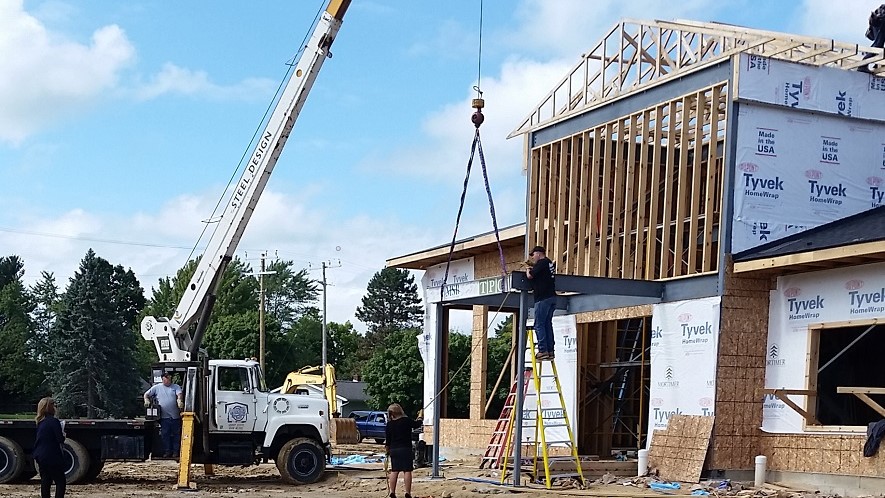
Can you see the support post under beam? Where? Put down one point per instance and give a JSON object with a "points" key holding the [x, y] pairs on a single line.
{"points": [[520, 389], [437, 387]]}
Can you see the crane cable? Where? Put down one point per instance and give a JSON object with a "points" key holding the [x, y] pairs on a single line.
{"points": [[477, 119]]}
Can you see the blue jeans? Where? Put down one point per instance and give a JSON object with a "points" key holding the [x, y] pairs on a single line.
{"points": [[170, 434], [544, 324]]}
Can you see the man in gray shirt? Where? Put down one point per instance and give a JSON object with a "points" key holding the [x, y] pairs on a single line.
{"points": [[171, 400]]}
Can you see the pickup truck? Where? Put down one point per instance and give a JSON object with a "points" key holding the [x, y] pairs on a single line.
{"points": [[370, 425]]}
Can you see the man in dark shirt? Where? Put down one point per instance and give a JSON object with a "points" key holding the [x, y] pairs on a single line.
{"points": [[875, 32], [541, 277]]}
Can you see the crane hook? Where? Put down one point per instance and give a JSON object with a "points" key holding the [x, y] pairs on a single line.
{"points": [[478, 117]]}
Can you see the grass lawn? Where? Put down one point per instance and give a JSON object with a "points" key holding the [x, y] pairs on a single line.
{"points": [[16, 416]]}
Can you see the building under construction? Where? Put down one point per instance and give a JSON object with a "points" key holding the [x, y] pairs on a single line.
{"points": [[711, 196]]}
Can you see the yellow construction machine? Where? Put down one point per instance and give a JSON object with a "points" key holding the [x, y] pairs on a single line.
{"points": [[343, 430]]}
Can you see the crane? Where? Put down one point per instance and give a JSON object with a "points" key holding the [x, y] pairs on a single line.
{"points": [[172, 336]]}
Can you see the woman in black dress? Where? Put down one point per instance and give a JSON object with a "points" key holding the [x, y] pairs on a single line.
{"points": [[47, 449], [398, 443]]}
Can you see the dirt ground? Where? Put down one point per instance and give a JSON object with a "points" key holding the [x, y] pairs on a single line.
{"points": [[460, 479], [156, 479]]}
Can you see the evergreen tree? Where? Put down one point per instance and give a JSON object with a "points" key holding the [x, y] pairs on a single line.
{"points": [[391, 303], [20, 370], [12, 269], [395, 372], [92, 347], [46, 303]]}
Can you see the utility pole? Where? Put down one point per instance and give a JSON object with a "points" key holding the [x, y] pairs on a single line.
{"points": [[324, 324], [261, 306], [261, 330], [324, 266]]}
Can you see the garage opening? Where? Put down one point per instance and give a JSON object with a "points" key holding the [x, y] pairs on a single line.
{"points": [[847, 357]]}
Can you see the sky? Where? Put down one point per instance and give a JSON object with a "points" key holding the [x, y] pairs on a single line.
{"points": [[122, 122]]}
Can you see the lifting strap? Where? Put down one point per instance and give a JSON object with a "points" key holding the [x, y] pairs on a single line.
{"points": [[477, 119]]}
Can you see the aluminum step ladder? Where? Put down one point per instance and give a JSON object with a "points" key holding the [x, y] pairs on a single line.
{"points": [[504, 426]]}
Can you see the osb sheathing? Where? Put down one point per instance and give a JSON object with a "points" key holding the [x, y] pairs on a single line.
{"points": [[489, 264], [479, 361], [740, 373], [614, 314], [462, 433], [678, 452], [826, 454]]}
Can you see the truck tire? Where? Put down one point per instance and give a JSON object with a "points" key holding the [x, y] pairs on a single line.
{"points": [[96, 464], [76, 461], [12, 460], [301, 460], [379, 440], [359, 437]]}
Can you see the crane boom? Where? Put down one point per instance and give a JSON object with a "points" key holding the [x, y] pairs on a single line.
{"points": [[171, 336]]}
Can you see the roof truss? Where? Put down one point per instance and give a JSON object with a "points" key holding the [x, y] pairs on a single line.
{"points": [[638, 54]]}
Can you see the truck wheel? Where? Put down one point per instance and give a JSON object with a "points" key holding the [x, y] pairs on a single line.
{"points": [[12, 460], [76, 461], [95, 467], [301, 460], [359, 437], [379, 440]]}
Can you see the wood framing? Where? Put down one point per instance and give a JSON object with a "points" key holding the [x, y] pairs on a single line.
{"points": [[862, 394], [868, 252], [646, 203], [637, 55]]}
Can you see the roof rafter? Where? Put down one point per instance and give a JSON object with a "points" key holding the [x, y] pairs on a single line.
{"points": [[635, 55]]}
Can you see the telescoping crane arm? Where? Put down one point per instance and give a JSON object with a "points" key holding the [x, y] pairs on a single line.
{"points": [[171, 336]]}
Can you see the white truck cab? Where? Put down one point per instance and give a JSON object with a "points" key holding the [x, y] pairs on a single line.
{"points": [[241, 402]]}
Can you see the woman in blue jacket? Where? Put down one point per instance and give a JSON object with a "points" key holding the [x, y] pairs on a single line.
{"points": [[47, 449]]}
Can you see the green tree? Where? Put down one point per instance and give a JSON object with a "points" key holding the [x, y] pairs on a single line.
{"points": [[46, 304], [288, 294], [391, 303], [92, 347], [458, 391], [344, 342], [498, 354], [20, 370], [233, 330], [395, 372]]}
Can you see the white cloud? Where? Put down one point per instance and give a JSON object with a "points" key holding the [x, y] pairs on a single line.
{"points": [[448, 132], [44, 76], [173, 79], [845, 20], [289, 225], [568, 28]]}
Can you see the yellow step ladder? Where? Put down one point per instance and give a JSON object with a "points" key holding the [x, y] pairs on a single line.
{"points": [[544, 418]]}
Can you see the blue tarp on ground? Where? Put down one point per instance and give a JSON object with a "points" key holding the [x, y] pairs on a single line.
{"points": [[353, 459]]}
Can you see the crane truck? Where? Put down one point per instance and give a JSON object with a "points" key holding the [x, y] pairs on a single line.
{"points": [[230, 417]]}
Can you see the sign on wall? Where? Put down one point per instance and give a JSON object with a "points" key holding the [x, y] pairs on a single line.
{"points": [[799, 170], [461, 271], [684, 345], [838, 295]]}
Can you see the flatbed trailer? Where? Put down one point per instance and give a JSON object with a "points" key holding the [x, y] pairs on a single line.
{"points": [[89, 444]]}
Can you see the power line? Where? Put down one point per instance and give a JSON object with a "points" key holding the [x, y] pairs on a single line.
{"points": [[89, 239]]}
